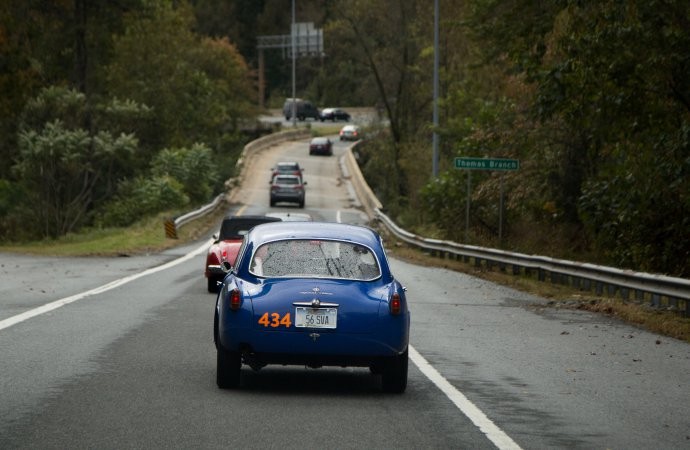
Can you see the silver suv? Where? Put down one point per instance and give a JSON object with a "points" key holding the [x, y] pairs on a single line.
{"points": [[287, 188]]}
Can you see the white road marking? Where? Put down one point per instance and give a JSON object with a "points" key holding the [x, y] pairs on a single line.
{"points": [[6, 323], [485, 425]]}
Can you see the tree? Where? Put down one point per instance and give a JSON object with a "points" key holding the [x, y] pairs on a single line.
{"points": [[161, 63], [62, 167]]}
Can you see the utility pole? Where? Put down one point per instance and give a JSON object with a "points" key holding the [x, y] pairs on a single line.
{"points": [[434, 164], [294, 64]]}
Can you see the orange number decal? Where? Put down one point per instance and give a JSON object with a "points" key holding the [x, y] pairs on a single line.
{"points": [[274, 320]]}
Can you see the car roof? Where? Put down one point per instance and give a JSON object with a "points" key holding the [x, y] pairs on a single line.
{"points": [[319, 139], [314, 230], [350, 127], [288, 163]]}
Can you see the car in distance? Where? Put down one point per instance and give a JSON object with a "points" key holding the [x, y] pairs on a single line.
{"points": [[317, 294], [303, 109], [226, 244], [334, 114], [350, 133], [286, 168], [287, 188], [321, 146]]}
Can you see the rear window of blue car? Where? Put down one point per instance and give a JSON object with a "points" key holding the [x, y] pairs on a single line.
{"points": [[315, 258]]}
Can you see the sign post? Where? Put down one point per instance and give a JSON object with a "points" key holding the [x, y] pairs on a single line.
{"points": [[470, 164]]}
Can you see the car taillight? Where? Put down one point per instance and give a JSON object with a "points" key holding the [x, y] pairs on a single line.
{"points": [[235, 299], [395, 304]]}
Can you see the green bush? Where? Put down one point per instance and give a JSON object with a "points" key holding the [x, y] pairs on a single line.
{"points": [[193, 168], [143, 197]]}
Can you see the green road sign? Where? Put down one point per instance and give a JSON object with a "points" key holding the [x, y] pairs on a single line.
{"points": [[487, 164]]}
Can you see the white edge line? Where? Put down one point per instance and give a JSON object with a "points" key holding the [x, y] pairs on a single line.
{"points": [[14, 320], [485, 425]]}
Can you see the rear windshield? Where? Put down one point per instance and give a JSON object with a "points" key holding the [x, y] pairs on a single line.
{"points": [[315, 258], [287, 180]]}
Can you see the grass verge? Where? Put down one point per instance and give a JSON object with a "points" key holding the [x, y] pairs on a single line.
{"points": [[145, 236]]}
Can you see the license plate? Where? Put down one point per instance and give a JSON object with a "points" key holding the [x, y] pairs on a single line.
{"points": [[316, 317]]}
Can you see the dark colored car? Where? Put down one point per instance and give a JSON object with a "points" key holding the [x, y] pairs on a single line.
{"points": [[286, 168], [317, 294], [334, 114], [321, 146], [227, 243], [287, 188], [303, 109]]}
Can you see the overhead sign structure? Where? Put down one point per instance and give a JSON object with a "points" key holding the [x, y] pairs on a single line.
{"points": [[303, 38], [487, 164]]}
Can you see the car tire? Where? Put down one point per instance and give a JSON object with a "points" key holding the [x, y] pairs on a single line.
{"points": [[301, 204], [394, 374], [228, 368], [272, 202], [212, 284]]}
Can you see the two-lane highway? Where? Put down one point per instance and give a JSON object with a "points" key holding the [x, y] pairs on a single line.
{"points": [[133, 365]]}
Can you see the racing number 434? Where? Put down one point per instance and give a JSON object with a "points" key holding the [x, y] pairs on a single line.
{"points": [[274, 320]]}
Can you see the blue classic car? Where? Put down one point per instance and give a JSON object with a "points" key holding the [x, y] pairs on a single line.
{"points": [[316, 294]]}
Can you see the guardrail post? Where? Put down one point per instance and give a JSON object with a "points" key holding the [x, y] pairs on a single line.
{"points": [[656, 300], [587, 285], [170, 229]]}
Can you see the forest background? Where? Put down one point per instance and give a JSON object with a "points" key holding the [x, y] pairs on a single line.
{"points": [[114, 111]]}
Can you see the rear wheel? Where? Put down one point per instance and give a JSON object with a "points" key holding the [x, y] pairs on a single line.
{"points": [[394, 374], [212, 284], [227, 368]]}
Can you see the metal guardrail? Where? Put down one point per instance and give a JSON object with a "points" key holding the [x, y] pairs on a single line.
{"points": [[659, 290]]}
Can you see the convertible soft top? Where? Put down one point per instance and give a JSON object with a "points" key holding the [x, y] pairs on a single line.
{"points": [[235, 227]]}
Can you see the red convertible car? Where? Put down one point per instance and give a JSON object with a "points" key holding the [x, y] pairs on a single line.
{"points": [[227, 243]]}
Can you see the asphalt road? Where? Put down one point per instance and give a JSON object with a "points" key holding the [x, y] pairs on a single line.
{"points": [[132, 364]]}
